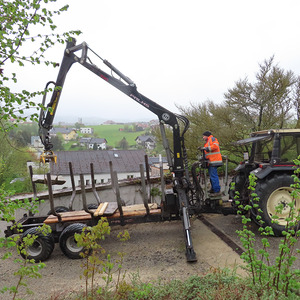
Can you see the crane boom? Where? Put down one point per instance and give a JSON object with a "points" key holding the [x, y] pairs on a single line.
{"points": [[176, 157]]}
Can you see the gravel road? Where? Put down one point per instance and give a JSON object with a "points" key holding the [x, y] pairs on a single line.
{"points": [[155, 250]]}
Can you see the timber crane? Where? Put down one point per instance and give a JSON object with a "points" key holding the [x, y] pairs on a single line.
{"points": [[177, 158]]}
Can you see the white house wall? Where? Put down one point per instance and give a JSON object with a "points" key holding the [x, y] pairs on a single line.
{"points": [[100, 178], [99, 146], [86, 130]]}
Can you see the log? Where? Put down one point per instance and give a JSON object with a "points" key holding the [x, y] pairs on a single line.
{"points": [[101, 209], [96, 213]]}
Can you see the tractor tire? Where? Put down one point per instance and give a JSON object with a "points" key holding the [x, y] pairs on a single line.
{"points": [[41, 248], [238, 182], [58, 209], [67, 242], [272, 192]]}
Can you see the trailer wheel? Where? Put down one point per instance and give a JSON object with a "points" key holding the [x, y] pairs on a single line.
{"points": [[41, 248], [67, 242], [93, 206], [58, 209], [273, 192]]}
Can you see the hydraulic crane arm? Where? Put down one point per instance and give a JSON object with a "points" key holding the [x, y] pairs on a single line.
{"points": [[124, 84], [176, 157]]}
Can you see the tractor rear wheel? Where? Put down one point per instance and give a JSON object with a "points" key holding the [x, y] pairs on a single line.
{"points": [[238, 192], [272, 192], [236, 186]]}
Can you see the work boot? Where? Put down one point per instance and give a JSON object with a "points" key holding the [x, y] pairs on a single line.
{"points": [[215, 194]]}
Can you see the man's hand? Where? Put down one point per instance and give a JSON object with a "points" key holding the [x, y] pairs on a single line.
{"points": [[203, 148]]}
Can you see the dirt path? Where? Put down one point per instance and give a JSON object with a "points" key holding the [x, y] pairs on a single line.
{"points": [[155, 250]]}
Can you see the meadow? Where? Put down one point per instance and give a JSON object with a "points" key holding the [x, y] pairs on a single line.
{"points": [[113, 135]]}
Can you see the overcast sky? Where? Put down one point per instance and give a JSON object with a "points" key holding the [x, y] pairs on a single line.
{"points": [[176, 52]]}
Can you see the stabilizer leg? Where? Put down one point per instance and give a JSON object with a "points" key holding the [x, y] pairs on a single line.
{"points": [[190, 253]]}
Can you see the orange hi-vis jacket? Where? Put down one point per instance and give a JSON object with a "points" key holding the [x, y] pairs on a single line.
{"points": [[213, 153]]}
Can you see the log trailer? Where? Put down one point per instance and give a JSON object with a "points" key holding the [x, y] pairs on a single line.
{"points": [[188, 195], [270, 160]]}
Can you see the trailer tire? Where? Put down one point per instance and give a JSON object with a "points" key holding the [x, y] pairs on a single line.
{"points": [[41, 248], [67, 242], [272, 192], [93, 206], [58, 209]]}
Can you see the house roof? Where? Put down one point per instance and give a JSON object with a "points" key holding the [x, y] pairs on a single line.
{"points": [[123, 161], [61, 130], [146, 138], [155, 160], [84, 140], [97, 141], [93, 140]]}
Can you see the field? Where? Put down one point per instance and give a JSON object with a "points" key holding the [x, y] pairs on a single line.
{"points": [[113, 135]]}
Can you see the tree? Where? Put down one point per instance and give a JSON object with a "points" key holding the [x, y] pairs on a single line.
{"points": [[123, 144], [17, 19], [78, 125], [23, 133], [12, 161], [57, 142], [266, 103], [296, 97], [220, 119]]}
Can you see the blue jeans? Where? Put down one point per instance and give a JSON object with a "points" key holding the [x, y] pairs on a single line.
{"points": [[214, 179]]}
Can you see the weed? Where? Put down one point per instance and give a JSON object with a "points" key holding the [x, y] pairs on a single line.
{"points": [[94, 263], [28, 268], [271, 279]]}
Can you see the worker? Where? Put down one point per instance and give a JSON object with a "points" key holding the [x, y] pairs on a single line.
{"points": [[212, 153]]}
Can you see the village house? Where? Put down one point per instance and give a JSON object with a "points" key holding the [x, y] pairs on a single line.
{"points": [[68, 134], [36, 142], [154, 163], [91, 143], [146, 141], [86, 130], [125, 162]]}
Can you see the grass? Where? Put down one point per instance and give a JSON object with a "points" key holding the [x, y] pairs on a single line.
{"points": [[217, 284], [113, 135]]}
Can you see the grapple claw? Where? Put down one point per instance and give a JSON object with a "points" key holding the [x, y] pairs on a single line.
{"points": [[48, 156]]}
